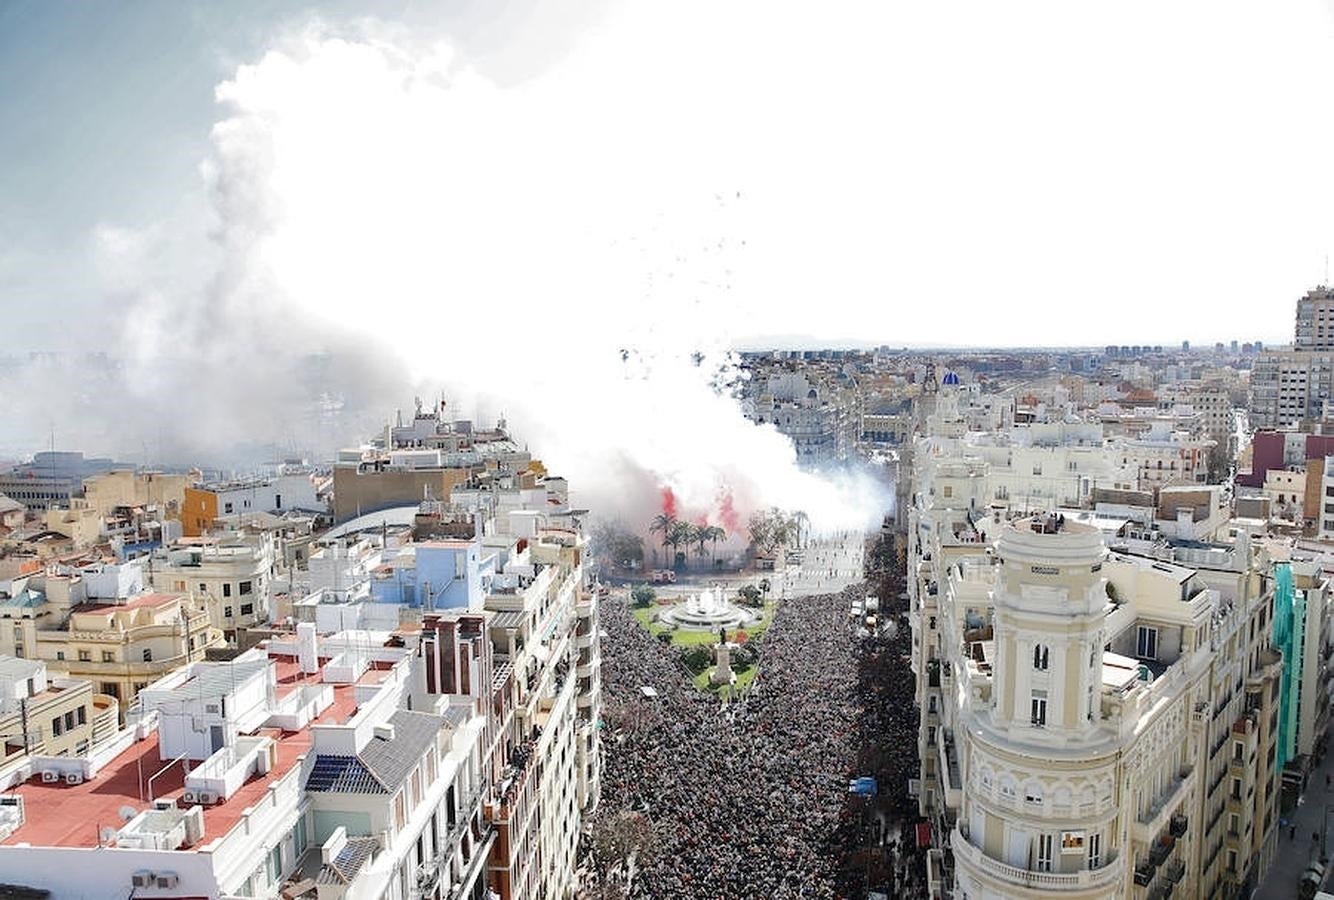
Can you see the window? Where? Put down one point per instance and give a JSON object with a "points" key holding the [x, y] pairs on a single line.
{"points": [[947, 490], [227, 508], [108, 656], [1033, 794], [69, 720], [85, 656], [1236, 789], [60, 654], [1237, 750], [299, 837], [203, 588], [57, 728], [83, 715], [1146, 642], [1095, 850], [1044, 852], [246, 587], [226, 589], [148, 654], [247, 609], [1038, 708], [277, 501], [1040, 657], [226, 612]]}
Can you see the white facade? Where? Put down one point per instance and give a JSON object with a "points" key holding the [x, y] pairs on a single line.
{"points": [[231, 575]]}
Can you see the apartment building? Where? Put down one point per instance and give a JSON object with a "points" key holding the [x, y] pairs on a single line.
{"points": [[1290, 387], [1162, 456], [308, 775], [97, 623], [1314, 328], [204, 504], [421, 460], [1098, 719], [229, 573], [44, 716], [52, 477]]}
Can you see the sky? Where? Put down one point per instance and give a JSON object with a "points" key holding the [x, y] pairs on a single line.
{"points": [[554, 211], [1010, 165]]}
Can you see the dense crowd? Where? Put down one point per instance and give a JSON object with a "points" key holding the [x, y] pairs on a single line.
{"points": [[751, 798]]}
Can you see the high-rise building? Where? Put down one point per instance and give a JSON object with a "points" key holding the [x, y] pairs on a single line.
{"points": [[1315, 320], [1291, 387]]}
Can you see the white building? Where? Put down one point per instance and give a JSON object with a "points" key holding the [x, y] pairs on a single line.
{"points": [[231, 573], [265, 774], [1094, 723]]}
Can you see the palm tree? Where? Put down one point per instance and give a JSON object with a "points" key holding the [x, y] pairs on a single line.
{"points": [[664, 523], [716, 534], [802, 522], [681, 533]]}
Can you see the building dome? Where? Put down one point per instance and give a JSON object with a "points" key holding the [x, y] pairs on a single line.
{"points": [[950, 379]]}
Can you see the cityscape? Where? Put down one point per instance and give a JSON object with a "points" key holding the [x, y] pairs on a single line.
{"points": [[532, 450]]}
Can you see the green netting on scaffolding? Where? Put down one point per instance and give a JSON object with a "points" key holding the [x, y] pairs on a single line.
{"points": [[1289, 625]]}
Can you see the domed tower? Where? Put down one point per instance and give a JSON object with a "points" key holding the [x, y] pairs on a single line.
{"points": [[1039, 815], [1049, 609]]}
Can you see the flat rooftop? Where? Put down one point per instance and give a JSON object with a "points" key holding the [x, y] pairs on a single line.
{"points": [[136, 602], [62, 815]]}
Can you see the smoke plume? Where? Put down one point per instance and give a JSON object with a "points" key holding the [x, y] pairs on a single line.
{"points": [[561, 252]]}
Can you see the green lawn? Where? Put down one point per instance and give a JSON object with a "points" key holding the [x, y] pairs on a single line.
{"points": [[685, 638], [742, 681]]}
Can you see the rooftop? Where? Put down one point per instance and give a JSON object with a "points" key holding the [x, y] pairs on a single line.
{"points": [[136, 602], [64, 815]]}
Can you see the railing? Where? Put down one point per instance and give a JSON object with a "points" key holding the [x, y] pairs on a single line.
{"points": [[973, 857], [1150, 822]]}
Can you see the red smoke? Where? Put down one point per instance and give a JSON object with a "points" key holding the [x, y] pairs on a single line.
{"points": [[668, 502], [727, 513]]}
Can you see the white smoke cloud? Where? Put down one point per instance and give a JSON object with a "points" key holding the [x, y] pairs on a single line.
{"points": [[673, 176], [534, 250]]}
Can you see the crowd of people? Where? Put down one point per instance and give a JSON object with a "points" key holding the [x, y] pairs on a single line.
{"points": [[751, 798]]}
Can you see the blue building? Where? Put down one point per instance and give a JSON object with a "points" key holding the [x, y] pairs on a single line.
{"points": [[445, 574]]}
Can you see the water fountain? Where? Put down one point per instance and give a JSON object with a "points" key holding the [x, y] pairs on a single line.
{"points": [[707, 611]]}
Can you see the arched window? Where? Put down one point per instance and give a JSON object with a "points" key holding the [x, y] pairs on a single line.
{"points": [[1040, 657]]}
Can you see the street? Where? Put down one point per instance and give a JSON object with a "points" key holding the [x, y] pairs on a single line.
{"points": [[1295, 854]]}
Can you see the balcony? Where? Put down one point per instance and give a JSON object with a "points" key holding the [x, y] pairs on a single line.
{"points": [[1154, 820], [1178, 826], [970, 857]]}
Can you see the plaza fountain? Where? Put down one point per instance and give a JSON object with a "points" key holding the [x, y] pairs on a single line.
{"points": [[707, 611]]}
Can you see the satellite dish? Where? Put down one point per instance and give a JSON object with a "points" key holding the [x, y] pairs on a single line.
{"points": [[127, 813], [107, 834]]}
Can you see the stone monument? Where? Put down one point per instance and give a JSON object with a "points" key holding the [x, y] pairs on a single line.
{"points": [[722, 665]]}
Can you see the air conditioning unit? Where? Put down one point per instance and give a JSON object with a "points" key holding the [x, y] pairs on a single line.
{"points": [[190, 797], [168, 880], [50, 776], [164, 803], [74, 778], [208, 798], [142, 879]]}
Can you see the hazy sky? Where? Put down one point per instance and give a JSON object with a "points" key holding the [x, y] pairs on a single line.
{"points": [[942, 172]]}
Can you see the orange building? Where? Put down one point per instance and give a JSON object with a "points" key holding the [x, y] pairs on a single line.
{"points": [[198, 511]]}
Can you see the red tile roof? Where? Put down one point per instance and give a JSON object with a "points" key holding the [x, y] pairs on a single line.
{"points": [[62, 815]]}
